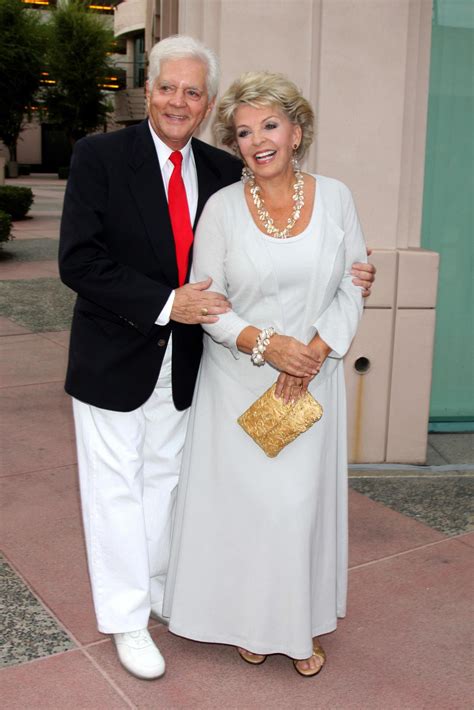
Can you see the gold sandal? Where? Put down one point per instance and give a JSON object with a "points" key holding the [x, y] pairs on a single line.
{"points": [[319, 652], [255, 659]]}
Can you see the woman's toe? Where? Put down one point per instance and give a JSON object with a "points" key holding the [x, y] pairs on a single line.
{"points": [[303, 665], [312, 664], [249, 654]]}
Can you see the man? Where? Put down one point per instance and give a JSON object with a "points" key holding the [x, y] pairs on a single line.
{"points": [[126, 243]]}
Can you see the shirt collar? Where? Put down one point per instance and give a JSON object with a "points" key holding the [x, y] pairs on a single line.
{"points": [[163, 151]]}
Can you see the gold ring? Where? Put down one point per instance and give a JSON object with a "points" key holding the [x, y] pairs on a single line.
{"points": [[204, 311]]}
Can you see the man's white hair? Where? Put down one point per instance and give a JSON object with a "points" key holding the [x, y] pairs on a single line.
{"points": [[180, 47]]}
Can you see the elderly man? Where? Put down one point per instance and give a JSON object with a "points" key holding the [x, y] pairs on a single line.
{"points": [[132, 200]]}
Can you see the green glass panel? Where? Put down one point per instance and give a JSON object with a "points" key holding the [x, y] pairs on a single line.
{"points": [[448, 205]]}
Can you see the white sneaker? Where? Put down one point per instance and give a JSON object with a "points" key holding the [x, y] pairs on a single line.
{"points": [[139, 655]]}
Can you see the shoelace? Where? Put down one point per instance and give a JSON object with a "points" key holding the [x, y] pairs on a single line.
{"points": [[140, 638]]}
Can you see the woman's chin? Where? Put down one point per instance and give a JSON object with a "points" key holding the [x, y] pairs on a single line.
{"points": [[271, 171]]}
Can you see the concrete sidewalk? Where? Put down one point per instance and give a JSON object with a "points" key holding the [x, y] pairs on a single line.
{"points": [[403, 645]]}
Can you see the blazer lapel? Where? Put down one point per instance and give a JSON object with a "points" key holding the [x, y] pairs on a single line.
{"points": [[146, 185]]}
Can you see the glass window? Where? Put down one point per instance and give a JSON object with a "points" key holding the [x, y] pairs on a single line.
{"points": [[448, 209], [139, 62]]}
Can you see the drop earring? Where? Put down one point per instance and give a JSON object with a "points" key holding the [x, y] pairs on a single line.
{"points": [[294, 159]]}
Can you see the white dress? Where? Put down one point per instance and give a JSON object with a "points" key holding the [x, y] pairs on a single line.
{"points": [[259, 549]]}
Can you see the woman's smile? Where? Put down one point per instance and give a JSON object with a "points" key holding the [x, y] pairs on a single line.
{"points": [[264, 157]]}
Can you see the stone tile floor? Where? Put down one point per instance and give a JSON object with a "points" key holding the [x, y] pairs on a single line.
{"points": [[29, 250], [28, 629], [440, 495], [38, 304], [445, 503], [404, 645]]}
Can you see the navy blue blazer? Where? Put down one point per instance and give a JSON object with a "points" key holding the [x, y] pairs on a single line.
{"points": [[117, 253]]}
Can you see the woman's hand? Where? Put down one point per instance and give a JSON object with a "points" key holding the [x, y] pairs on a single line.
{"points": [[291, 356], [291, 388], [320, 350]]}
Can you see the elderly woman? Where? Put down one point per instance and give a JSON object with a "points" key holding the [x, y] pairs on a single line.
{"points": [[259, 553]]}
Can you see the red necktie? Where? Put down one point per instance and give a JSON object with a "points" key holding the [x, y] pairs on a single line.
{"points": [[179, 215]]}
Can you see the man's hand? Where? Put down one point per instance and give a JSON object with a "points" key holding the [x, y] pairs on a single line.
{"points": [[193, 303], [364, 275]]}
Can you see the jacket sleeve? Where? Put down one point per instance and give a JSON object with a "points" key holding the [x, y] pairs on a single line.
{"points": [[85, 263], [209, 257], [338, 323]]}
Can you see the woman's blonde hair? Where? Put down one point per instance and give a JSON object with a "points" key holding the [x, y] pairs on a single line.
{"points": [[259, 89]]}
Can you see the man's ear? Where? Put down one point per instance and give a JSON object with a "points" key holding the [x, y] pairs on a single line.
{"points": [[147, 95], [211, 105]]}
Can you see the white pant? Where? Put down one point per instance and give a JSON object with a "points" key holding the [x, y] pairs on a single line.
{"points": [[128, 471]]}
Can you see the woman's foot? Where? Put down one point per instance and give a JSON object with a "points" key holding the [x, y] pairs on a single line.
{"points": [[255, 659], [311, 666]]}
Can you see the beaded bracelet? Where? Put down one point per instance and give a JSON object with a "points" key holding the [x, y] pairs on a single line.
{"points": [[263, 339]]}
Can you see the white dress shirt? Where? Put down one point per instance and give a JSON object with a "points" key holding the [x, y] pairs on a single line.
{"points": [[189, 175]]}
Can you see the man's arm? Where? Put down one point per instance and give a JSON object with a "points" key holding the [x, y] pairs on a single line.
{"points": [[364, 275], [87, 267], [85, 263]]}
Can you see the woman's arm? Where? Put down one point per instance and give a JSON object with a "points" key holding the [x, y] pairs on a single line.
{"points": [[209, 254], [336, 326], [230, 330]]}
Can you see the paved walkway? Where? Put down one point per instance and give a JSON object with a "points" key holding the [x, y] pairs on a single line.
{"points": [[405, 641]]}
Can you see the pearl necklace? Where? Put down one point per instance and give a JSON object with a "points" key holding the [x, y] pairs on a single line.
{"points": [[298, 199]]}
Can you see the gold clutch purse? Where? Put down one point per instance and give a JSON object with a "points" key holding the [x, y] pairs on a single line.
{"points": [[273, 424]]}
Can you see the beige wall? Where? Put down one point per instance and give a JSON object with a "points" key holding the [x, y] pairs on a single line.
{"points": [[29, 144], [364, 65], [130, 16]]}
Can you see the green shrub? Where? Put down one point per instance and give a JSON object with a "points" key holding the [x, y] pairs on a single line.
{"points": [[16, 201], [5, 226]]}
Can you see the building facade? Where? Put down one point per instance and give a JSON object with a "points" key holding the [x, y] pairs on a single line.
{"points": [[42, 145], [365, 67]]}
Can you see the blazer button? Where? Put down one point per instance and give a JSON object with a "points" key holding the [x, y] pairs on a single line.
{"points": [[162, 342]]}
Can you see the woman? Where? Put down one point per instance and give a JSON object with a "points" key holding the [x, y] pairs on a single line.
{"points": [[259, 556]]}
